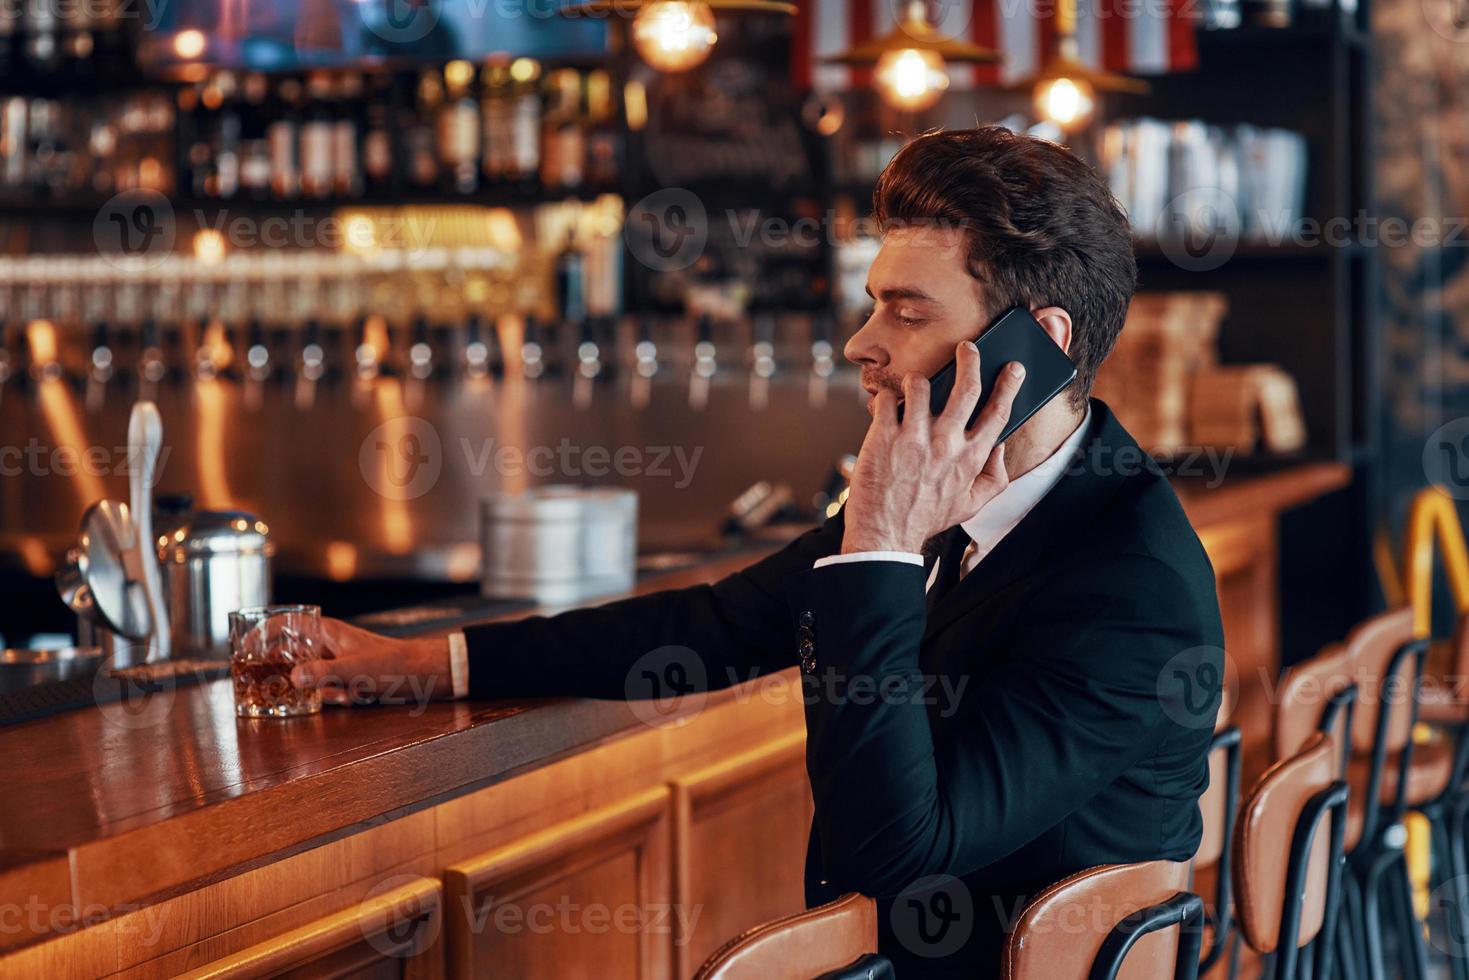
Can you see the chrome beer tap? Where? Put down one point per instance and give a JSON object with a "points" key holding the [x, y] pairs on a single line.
{"points": [[822, 363], [645, 366], [532, 357], [762, 360], [705, 365]]}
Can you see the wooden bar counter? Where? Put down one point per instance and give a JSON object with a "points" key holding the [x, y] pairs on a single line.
{"points": [[548, 839]]}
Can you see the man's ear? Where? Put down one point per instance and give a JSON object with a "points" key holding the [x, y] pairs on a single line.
{"points": [[1057, 323]]}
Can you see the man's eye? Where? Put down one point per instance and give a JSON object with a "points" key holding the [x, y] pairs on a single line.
{"points": [[907, 320]]}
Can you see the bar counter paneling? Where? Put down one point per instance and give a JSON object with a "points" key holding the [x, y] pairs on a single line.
{"points": [[556, 838]]}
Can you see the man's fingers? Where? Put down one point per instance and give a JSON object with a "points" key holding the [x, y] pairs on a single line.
{"points": [[916, 416], [991, 480], [885, 407], [968, 386], [996, 411]]}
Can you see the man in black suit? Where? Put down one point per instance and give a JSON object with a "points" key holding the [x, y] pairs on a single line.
{"points": [[1010, 654]]}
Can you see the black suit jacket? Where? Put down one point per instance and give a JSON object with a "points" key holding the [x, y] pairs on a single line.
{"points": [[1051, 712]]}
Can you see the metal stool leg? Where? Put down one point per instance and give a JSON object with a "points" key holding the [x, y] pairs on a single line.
{"points": [[1372, 935], [1410, 931], [1450, 888]]}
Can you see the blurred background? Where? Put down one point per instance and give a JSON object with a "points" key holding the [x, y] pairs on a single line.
{"points": [[510, 243]]}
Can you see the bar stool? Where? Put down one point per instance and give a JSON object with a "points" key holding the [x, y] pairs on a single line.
{"points": [[1444, 716], [1081, 928], [837, 940], [1211, 874], [1388, 663], [1287, 866]]}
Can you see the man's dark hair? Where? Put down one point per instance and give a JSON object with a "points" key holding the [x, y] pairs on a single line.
{"points": [[1043, 228]]}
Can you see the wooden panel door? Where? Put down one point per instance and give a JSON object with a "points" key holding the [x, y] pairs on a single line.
{"points": [[740, 831], [390, 935], [588, 897]]}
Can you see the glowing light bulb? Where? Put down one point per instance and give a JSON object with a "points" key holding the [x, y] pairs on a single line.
{"points": [[674, 35], [911, 79], [189, 44], [1067, 102]]}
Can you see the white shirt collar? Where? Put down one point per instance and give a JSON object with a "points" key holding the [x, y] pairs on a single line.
{"points": [[999, 517]]}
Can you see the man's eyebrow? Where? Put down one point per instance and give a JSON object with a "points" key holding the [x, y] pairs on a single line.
{"points": [[889, 293]]}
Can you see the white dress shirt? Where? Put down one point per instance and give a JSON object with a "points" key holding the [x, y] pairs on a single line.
{"points": [[985, 529], [998, 517]]}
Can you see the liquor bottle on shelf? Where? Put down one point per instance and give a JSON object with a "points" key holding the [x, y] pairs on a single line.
{"points": [[254, 146], [41, 29], [10, 53], [563, 160], [525, 121], [418, 131], [497, 159], [346, 124], [604, 132], [378, 158], [282, 132], [316, 137], [459, 130], [77, 41]]}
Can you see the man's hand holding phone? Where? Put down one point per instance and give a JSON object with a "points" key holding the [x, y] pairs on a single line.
{"points": [[925, 473]]}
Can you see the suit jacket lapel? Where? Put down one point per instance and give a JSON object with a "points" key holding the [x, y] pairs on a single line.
{"points": [[1072, 504]]}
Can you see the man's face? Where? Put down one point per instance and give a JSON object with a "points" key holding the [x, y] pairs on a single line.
{"points": [[925, 303]]}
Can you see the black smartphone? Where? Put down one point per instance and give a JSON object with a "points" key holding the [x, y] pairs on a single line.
{"points": [[1015, 336]]}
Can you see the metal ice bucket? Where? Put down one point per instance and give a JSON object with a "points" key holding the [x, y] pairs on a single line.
{"points": [[559, 544]]}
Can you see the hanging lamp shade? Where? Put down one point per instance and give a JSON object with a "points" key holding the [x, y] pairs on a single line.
{"points": [[915, 33]]}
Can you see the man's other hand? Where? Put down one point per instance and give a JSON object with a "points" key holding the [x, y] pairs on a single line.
{"points": [[359, 667]]}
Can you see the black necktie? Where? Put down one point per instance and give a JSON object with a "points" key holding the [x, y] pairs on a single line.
{"points": [[951, 546]]}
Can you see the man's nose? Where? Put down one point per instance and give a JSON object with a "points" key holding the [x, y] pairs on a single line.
{"points": [[863, 349]]}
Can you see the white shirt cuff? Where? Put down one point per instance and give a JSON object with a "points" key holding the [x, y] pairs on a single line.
{"points": [[905, 556], [458, 665]]}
